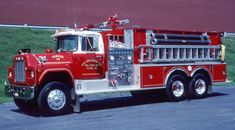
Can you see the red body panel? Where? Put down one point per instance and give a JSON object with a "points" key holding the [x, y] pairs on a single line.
{"points": [[219, 73], [151, 76], [156, 76], [105, 36], [88, 66], [215, 38], [139, 39]]}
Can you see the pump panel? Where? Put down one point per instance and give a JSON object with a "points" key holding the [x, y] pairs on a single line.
{"points": [[121, 69]]}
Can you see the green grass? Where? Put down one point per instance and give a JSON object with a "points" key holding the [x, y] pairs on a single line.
{"points": [[230, 57], [13, 39]]}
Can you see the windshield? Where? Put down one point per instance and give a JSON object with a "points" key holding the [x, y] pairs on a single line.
{"points": [[67, 43]]}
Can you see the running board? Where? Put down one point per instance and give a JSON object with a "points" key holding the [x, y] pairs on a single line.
{"points": [[86, 87]]}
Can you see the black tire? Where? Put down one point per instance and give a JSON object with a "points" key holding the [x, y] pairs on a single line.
{"points": [[26, 105], [198, 86], [176, 87], [62, 97]]}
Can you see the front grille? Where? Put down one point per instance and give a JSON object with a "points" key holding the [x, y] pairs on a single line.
{"points": [[20, 71]]}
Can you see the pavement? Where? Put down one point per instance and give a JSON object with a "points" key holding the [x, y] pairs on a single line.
{"points": [[121, 111]]}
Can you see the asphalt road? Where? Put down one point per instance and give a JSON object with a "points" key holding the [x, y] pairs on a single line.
{"points": [[121, 111]]}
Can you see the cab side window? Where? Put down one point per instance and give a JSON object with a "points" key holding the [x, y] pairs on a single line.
{"points": [[89, 44]]}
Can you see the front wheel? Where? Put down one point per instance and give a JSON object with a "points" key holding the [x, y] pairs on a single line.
{"points": [[54, 98], [176, 87], [198, 86]]}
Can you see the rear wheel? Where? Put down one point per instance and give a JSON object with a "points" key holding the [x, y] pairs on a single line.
{"points": [[26, 105], [54, 99], [198, 86], [176, 87]]}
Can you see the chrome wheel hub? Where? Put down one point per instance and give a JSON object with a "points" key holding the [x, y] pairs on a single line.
{"points": [[200, 86], [178, 88], [56, 99]]}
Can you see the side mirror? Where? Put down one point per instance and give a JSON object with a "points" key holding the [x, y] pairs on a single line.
{"points": [[48, 50]]}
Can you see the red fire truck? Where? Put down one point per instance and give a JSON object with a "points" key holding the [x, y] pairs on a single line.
{"points": [[93, 59]]}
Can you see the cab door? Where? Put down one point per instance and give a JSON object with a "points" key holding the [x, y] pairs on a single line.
{"points": [[91, 57]]}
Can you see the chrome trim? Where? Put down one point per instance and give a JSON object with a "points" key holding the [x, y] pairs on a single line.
{"points": [[20, 92], [177, 88], [200, 86], [172, 71], [165, 53], [182, 64], [128, 38], [182, 46], [132, 88], [56, 99], [148, 36], [20, 72], [200, 68]]}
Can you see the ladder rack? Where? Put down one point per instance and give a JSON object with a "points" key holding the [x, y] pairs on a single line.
{"points": [[179, 53]]}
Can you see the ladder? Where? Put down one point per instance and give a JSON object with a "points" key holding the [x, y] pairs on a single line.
{"points": [[179, 53]]}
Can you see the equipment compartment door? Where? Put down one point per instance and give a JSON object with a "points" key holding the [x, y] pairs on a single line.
{"points": [[151, 76], [219, 73]]}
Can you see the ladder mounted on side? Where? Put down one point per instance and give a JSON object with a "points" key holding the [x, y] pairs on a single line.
{"points": [[179, 53]]}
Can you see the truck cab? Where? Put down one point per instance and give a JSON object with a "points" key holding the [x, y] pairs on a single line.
{"points": [[87, 52], [77, 55]]}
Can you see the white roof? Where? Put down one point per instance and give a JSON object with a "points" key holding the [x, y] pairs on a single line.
{"points": [[74, 32]]}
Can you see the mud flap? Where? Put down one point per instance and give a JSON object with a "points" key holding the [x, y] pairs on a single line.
{"points": [[209, 89], [75, 101], [76, 105]]}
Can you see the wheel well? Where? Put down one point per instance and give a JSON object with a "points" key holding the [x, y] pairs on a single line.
{"points": [[63, 77], [204, 72], [180, 72]]}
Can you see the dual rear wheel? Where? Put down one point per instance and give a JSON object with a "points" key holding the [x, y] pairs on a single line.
{"points": [[178, 87]]}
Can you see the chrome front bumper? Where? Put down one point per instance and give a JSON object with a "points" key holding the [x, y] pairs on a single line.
{"points": [[20, 92]]}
